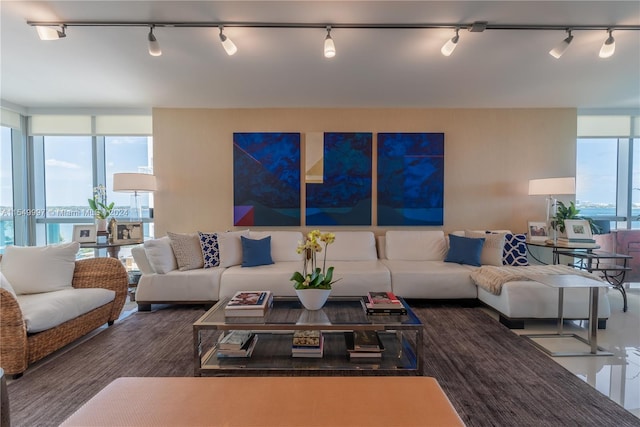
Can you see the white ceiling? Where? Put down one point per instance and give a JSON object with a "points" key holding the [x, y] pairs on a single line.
{"points": [[110, 68]]}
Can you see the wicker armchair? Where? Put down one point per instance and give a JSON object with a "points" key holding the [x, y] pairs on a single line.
{"points": [[18, 349]]}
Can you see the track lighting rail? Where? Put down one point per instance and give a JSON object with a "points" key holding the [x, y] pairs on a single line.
{"points": [[392, 26]]}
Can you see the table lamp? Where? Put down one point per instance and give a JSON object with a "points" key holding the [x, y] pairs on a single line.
{"points": [[134, 183], [552, 187]]}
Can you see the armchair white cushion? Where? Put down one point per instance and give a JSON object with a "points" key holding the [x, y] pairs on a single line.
{"points": [[49, 309], [35, 269]]}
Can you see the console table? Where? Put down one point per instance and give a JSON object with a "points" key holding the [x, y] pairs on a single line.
{"points": [[558, 249], [607, 264]]}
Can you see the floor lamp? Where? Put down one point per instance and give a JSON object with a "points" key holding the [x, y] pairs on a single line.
{"points": [[134, 183], [552, 187]]}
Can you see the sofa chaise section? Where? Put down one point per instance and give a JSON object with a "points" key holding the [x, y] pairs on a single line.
{"points": [[526, 299]]}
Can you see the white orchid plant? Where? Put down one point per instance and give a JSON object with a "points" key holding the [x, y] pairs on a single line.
{"points": [[98, 204]]}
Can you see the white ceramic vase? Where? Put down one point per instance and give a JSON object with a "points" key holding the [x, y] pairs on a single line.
{"points": [[313, 299], [101, 224]]}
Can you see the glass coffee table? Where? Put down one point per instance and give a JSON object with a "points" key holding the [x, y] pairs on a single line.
{"points": [[401, 336]]}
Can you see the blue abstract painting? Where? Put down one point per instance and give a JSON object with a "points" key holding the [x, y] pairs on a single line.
{"points": [[266, 179], [340, 191], [410, 178]]}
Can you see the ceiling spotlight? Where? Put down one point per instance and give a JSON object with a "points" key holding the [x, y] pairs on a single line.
{"points": [[450, 45], [329, 46], [559, 50], [608, 47], [51, 32], [227, 43], [154, 46]]}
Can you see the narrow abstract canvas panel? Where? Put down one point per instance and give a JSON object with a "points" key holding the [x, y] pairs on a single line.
{"points": [[410, 178], [266, 179], [341, 195]]}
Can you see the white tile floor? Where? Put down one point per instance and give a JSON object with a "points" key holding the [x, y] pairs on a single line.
{"points": [[617, 376]]}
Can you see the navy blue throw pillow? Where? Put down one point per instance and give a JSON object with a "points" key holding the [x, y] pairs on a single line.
{"points": [[256, 252], [464, 250]]}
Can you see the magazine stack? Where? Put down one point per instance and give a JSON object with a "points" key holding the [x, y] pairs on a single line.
{"points": [[307, 344], [363, 345], [383, 303], [249, 304], [237, 344]]}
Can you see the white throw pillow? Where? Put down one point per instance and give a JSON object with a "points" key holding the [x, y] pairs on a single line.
{"points": [[492, 249], [4, 284], [230, 246], [160, 255], [35, 269]]}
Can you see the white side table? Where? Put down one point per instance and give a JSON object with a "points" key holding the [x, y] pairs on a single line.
{"points": [[561, 282]]}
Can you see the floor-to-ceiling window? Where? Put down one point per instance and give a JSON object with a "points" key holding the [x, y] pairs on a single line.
{"points": [[51, 164], [68, 174], [6, 189], [608, 170]]}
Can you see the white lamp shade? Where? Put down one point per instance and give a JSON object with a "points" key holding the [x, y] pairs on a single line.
{"points": [[552, 186], [134, 182]]}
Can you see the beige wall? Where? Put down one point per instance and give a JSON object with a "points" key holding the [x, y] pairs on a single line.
{"points": [[490, 155]]}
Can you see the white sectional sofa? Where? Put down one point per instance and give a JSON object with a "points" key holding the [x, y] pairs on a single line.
{"points": [[409, 263]]}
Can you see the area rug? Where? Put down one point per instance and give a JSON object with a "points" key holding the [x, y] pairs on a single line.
{"points": [[492, 376]]}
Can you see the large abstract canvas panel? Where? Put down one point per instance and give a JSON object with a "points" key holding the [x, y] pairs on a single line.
{"points": [[338, 179], [410, 178], [266, 179]]}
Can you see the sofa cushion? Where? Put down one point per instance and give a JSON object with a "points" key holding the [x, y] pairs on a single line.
{"points": [[272, 277], [139, 255], [464, 250], [283, 244], [431, 279], [160, 255], [187, 250], [47, 310], [256, 251], [515, 250], [4, 284], [34, 269], [351, 246], [210, 249], [426, 245], [202, 284], [493, 246], [231, 247]]}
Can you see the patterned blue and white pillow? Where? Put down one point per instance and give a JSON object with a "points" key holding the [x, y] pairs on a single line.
{"points": [[515, 250], [210, 249]]}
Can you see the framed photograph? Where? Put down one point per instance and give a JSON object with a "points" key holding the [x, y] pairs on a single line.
{"points": [[84, 233], [538, 231], [578, 229], [128, 233]]}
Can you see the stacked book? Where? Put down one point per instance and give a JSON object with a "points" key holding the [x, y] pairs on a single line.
{"points": [[307, 344], [574, 243], [377, 303], [363, 345], [249, 304], [237, 344]]}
